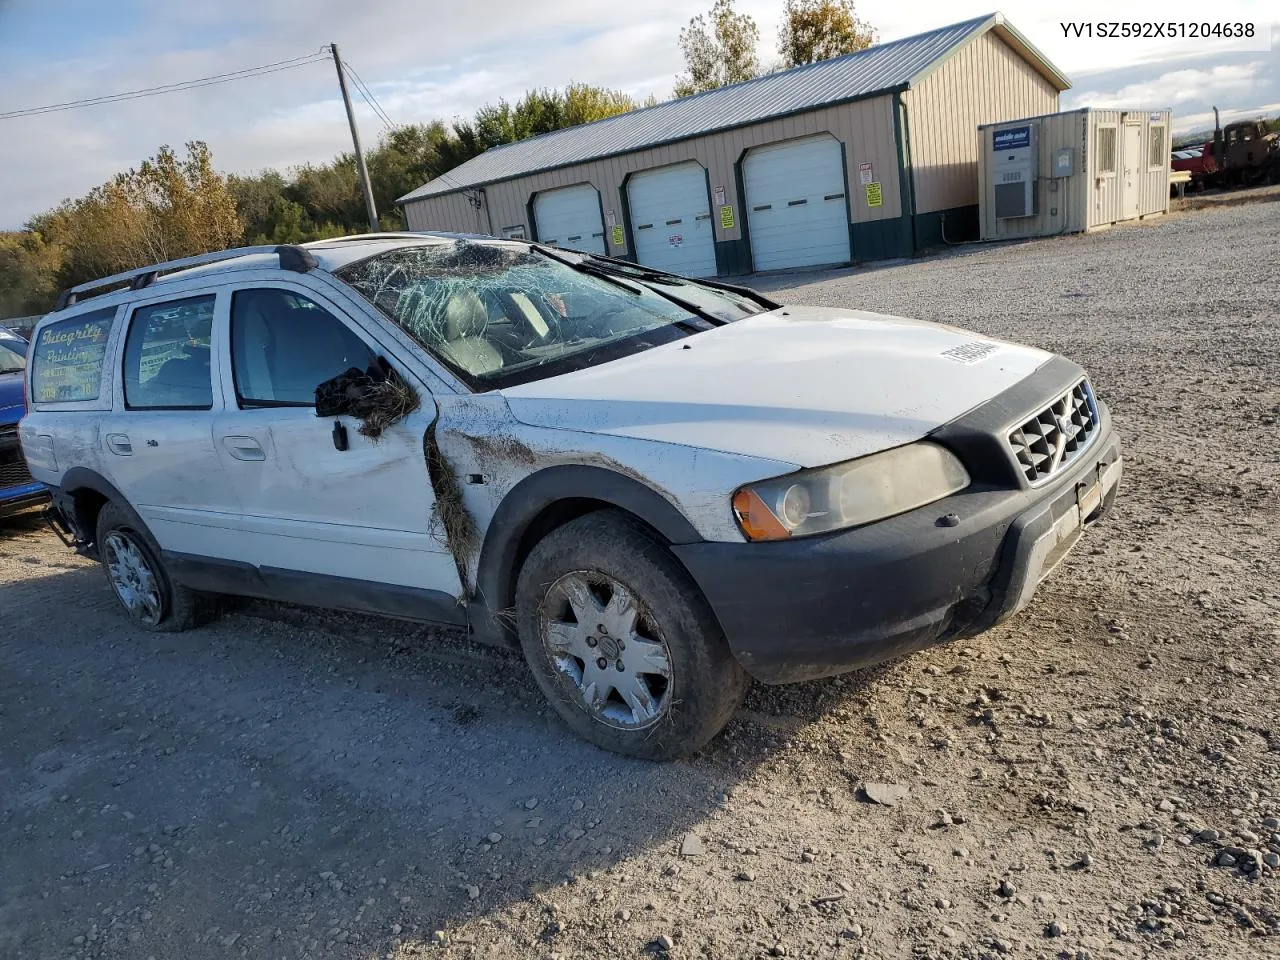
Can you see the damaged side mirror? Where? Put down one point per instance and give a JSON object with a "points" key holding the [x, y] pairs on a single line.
{"points": [[378, 397]]}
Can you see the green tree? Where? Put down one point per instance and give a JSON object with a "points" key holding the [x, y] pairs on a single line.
{"points": [[814, 30], [254, 196], [28, 273], [168, 207], [719, 48]]}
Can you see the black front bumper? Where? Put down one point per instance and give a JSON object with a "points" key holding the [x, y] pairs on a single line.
{"points": [[814, 607]]}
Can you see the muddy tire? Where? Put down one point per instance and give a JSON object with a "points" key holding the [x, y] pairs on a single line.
{"points": [[622, 642], [131, 561]]}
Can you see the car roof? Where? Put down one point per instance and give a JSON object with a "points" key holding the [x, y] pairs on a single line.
{"points": [[335, 253], [330, 255]]}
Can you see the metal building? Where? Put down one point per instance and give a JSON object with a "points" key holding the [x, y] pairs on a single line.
{"points": [[1072, 172], [861, 157]]}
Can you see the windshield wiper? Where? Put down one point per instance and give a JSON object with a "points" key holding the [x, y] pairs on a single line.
{"points": [[12, 369], [627, 268], [584, 266], [610, 274], [649, 278]]}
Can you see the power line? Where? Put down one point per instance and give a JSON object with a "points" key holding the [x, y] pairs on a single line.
{"points": [[367, 95], [246, 73]]}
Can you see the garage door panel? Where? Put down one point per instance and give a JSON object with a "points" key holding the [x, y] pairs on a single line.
{"points": [[797, 213], [570, 217], [671, 220]]}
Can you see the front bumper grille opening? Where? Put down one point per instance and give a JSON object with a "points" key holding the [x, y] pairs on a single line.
{"points": [[1054, 437], [14, 473]]}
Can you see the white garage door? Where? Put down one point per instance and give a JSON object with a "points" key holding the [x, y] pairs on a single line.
{"points": [[796, 210], [570, 217], [671, 220]]}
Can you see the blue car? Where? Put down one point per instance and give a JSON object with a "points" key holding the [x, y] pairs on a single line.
{"points": [[17, 490]]}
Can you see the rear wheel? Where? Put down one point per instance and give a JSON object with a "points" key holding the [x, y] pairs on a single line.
{"points": [[130, 559], [622, 642]]}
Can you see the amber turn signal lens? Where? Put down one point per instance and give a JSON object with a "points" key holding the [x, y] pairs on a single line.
{"points": [[757, 520]]}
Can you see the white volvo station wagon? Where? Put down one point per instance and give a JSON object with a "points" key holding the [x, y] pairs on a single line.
{"points": [[659, 488]]}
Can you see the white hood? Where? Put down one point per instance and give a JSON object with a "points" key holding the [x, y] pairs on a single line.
{"points": [[803, 385]]}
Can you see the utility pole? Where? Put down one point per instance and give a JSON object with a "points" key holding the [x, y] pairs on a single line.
{"points": [[355, 140]]}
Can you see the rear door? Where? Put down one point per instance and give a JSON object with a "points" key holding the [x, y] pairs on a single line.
{"points": [[156, 446], [329, 516]]}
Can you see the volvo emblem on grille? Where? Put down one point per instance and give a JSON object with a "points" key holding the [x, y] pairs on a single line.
{"points": [[1065, 425]]}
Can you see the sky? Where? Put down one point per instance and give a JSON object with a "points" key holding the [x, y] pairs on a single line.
{"points": [[426, 59]]}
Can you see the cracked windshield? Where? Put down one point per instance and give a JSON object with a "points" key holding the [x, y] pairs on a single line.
{"points": [[504, 315]]}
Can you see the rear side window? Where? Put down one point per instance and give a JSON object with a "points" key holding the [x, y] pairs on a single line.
{"points": [[166, 356], [67, 357], [284, 345]]}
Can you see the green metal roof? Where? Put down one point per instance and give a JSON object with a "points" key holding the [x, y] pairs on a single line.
{"points": [[879, 69]]}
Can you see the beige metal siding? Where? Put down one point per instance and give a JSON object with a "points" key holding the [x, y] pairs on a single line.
{"points": [[986, 82], [864, 127], [452, 209], [1107, 204]]}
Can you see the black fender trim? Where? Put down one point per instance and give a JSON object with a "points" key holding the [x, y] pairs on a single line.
{"points": [[82, 478], [496, 574]]}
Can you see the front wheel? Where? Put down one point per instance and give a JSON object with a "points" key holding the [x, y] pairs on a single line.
{"points": [[621, 641]]}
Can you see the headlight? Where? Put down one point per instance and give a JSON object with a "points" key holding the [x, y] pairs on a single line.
{"points": [[848, 494]]}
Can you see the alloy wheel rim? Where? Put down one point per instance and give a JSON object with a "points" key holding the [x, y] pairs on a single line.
{"points": [[132, 578], [608, 650]]}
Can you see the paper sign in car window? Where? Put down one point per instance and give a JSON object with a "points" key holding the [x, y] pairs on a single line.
{"points": [[68, 358]]}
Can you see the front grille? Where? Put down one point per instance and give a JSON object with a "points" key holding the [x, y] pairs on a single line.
{"points": [[1053, 438]]}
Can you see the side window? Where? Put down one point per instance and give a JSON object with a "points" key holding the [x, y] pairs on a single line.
{"points": [[166, 356], [284, 345], [1106, 150], [1157, 157], [67, 358]]}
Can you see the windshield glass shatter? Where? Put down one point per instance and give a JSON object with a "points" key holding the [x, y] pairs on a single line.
{"points": [[499, 314]]}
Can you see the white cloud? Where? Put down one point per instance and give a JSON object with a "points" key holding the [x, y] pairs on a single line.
{"points": [[428, 60]]}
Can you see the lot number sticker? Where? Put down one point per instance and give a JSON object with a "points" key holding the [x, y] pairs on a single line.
{"points": [[726, 217], [875, 197], [617, 234]]}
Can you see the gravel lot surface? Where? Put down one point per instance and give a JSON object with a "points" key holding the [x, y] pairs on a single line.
{"points": [[1098, 778]]}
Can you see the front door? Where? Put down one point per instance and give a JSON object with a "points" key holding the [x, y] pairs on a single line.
{"points": [[1132, 184], [329, 516], [158, 443]]}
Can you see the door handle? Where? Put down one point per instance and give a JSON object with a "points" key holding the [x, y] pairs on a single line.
{"points": [[119, 444], [244, 448]]}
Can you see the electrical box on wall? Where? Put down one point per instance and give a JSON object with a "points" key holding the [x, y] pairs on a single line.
{"points": [[1064, 163], [1014, 164]]}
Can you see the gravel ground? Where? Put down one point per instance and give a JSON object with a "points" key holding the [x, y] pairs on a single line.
{"points": [[1098, 778]]}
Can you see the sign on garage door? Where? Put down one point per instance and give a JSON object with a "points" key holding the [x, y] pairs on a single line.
{"points": [[570, 217], [796, 209], [671, 220]]}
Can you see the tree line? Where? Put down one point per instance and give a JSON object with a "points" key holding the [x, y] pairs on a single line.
{"points": [[175, 205]]}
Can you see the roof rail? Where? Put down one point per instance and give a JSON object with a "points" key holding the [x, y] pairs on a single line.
{"points": [[292, 257]]}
